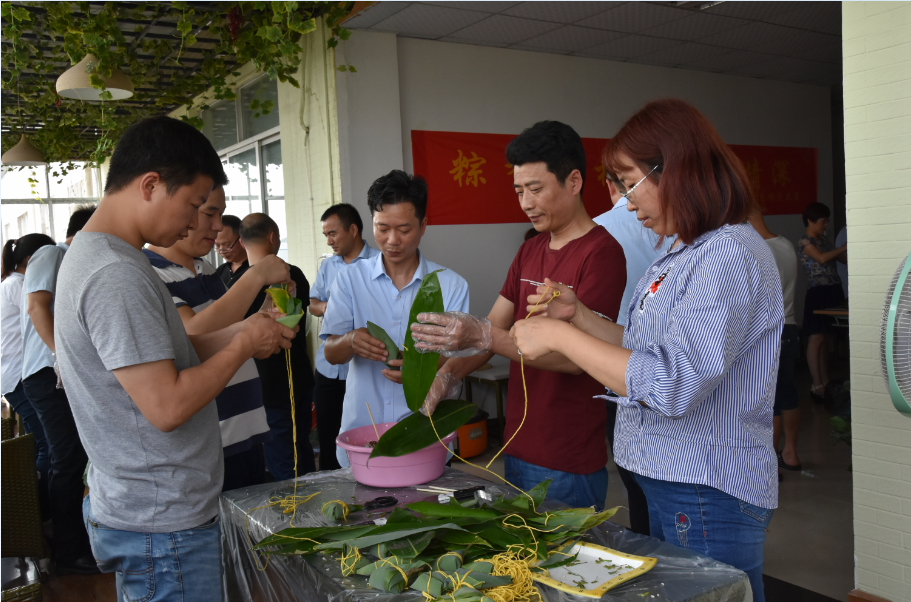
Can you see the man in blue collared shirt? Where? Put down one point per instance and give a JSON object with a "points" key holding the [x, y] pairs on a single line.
{"points": [[39, 381], [381, 289], [343, 229]]}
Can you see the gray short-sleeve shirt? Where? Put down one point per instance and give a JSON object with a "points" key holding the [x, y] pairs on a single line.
{"points": [[113, 311]]}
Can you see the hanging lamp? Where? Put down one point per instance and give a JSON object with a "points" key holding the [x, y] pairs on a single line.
{"points": [[24, 153], [75, 83]]}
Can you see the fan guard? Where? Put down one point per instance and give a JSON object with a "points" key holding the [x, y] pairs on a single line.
{"points": [[895, 338]]}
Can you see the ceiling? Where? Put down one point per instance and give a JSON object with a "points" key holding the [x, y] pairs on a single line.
{"points": [[787, 41]]}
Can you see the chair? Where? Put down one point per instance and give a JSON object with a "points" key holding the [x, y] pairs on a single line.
{"points": [[6, 428], [21, 535], [496, 377]]}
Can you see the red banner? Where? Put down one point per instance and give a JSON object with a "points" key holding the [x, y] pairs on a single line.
{"points": [[470, 181]]}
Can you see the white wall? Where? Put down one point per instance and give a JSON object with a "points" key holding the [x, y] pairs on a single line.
{"points": [[877, 43], [453, 87]]}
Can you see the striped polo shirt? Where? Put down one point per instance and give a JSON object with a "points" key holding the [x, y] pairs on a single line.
{"points": [[704, 326], [241, 414]]}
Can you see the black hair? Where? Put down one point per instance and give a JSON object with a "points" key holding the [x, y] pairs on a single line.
{"points": [[256, 227], [79, 218], [398, 187], [554, 143], [15, 251], [814, 212], [231, 221], [347, 214], [174, 149]]}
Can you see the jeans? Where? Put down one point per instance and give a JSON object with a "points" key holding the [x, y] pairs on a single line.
{"points": [[182, 566], [67, 464], [22, 406], [280, 450], [711, 522], [329, 397], [576, 490]]}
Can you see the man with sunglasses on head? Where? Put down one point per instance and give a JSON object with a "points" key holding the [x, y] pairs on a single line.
{"points": [[234, 253]]}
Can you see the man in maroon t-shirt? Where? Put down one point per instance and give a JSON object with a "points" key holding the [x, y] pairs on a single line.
{"points": [[562, 437]]}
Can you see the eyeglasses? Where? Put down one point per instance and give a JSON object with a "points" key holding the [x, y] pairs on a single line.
{"points": [[630, 191], [224, 248]]}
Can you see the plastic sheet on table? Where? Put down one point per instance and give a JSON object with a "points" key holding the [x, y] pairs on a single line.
{"points": [[679, 574]]}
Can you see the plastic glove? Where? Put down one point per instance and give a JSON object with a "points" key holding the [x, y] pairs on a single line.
{"points": [[452, 334], [445, 386]]}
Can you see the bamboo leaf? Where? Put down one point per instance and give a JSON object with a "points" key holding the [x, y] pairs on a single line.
{"points": [[280, 297], [378, 333], [419, 369], [447, 511], [373, 539], [416, 432]]}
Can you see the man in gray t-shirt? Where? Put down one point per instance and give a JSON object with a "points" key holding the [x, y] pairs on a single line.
{"points": [[141, 390]]}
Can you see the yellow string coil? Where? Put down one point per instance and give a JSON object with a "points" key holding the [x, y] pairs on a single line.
{"points": [[515, 563], [345, 509]]}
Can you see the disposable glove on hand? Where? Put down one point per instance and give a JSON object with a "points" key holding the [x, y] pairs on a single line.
{"points": [[452, 334], [445, 386]]}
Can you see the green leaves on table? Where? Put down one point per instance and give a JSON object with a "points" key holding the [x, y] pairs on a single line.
{"points": [[436, 547], [415, 432], [378, 333], [338, 511], [291, 306], [419, 369]]}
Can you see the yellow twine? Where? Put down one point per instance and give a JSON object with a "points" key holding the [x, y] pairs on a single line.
{"points": [[288, 504], [522, 366], [348, 569], [515, 565], [456, 554], [344, 508]]}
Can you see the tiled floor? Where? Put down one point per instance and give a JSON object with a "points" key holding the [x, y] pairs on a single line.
{"points": [[810, 538]]}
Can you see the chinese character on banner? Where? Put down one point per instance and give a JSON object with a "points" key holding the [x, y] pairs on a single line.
{"points": [[601, 171], [753, 170], [510, 170], [469, 168], [780, 173]]}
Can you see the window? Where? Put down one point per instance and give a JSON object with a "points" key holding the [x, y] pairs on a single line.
{"points": [[45, 203], [246, 134]]}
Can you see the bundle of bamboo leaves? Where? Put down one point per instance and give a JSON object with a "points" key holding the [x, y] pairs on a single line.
{"points": [[447, 549]]}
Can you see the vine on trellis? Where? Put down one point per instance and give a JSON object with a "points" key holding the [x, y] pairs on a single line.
{"points": [[39, 36]]}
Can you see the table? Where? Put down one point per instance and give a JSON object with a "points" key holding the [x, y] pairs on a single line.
{"points": [[496, 377], [679, 574], [838, 314]]}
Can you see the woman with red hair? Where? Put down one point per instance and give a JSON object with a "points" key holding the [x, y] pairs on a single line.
{"points": [[695, 366]]}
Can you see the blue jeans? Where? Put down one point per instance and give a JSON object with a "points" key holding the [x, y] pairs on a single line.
{"points": [[576, 490], [711, 522], [280, 449], [183, 566]]}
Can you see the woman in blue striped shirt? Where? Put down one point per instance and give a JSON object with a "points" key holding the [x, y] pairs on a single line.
{"points": [[695, 367]]}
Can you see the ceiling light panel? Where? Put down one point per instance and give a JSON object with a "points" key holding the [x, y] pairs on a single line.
{"points": [[501, 29], [634, 17], [427, 21], [560, 12], [571, 39], [374, 13]]}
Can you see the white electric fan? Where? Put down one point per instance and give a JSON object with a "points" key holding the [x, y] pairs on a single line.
{"points": [[895, 338]]}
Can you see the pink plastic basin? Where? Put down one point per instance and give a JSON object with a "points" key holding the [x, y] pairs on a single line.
{"points": [[415, 468]]}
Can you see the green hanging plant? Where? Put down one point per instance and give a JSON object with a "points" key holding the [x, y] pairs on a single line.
{"points": [[39, 36]]}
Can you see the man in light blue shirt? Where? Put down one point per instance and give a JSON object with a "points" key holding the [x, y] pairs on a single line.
{"points": [[639, 244], [39, 381], [381, 289], [343, 229], [639, 247]]}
